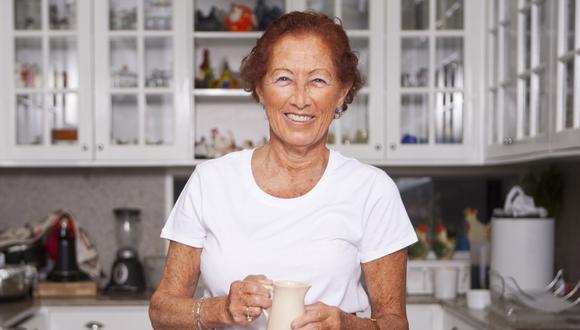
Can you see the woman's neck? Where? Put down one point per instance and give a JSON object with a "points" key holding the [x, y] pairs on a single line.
{"points": [[294, 160]]}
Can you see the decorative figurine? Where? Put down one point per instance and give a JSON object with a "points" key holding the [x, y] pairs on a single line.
{"points": [[212, 22], [220, 144], [443, 245], [240, 19], [226, 79], [266, 15], [421, 248], [204, 77]]}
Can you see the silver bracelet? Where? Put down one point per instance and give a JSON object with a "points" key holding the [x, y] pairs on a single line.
{"points": [[197, 315]]}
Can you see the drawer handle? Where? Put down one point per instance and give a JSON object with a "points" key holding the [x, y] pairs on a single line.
{"points": [[94, 325]]}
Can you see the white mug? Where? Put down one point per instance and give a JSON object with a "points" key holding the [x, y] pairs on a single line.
{"points": [[287, 303], [445, 286]]}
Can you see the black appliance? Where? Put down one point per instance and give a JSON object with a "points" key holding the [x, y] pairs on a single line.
{"points": [[127, 275], [66, 268]]}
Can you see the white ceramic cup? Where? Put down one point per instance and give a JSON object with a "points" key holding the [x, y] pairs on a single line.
{"points": [[478, 299], [445, 282]]}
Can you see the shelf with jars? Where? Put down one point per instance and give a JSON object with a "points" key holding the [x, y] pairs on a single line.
{"points": [[141, 104], [46, 98]]}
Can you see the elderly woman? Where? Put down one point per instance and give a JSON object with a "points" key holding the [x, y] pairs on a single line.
{"points": [[291, 209]]}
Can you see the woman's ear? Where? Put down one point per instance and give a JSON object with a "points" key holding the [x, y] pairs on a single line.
{"points": [[260, 94], [343, 93]]}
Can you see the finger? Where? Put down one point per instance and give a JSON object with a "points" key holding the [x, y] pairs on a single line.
{"points": [[310, 316], [310, 326], [256, 278], [257, 301], [251, 287], [315, 306]]}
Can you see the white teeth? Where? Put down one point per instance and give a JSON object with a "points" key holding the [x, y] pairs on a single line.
{"points": [[298, 117]]}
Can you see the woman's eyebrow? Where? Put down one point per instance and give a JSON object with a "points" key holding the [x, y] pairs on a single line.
{"points": [[281, 69]]}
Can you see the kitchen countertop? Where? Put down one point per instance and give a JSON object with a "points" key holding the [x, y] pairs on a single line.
{"points": [[13, 312]]}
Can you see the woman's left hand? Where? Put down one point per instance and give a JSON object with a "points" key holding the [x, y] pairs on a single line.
{"points": [[320, 316]]}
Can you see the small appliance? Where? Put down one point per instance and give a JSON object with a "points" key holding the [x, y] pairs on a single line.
{"points": [[65, 268], [127, 274]]}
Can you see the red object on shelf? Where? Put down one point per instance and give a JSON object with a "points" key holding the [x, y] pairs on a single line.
{"points": [[240, 19]]}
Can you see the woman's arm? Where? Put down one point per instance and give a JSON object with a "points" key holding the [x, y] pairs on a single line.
{"points": [[171, 305], [386, 283]]}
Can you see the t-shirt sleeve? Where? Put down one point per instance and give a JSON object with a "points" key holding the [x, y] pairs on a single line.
{"points": [[185, 224], [387, 227]]}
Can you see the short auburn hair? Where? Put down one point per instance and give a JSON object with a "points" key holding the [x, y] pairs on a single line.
{"points": [[255, 64]]}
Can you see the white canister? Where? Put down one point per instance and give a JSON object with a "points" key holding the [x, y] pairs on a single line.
{"points": [[523, 248], [445, 282]]}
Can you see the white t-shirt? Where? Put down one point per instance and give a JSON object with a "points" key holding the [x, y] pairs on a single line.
{"points": [[353, 215]]}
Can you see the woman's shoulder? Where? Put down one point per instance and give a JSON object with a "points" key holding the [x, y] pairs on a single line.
{"points": [[224, 165], [377, 178]]}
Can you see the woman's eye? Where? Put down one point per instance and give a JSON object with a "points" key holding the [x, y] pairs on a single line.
{"points": [[319, 81], [283, 79]]}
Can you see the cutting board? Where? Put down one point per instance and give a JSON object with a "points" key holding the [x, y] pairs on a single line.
{"points": [[46, 289]]}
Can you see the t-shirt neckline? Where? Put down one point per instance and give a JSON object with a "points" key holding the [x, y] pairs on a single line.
{"points": [[286, 201]]}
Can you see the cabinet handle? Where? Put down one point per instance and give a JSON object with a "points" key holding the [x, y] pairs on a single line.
{"points": [[454, 328], [85, 147], [100, 147], [508, 141], [378, 147], [393, 146], [94, 325]]}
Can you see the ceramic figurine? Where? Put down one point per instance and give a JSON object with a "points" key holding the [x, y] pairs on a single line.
{"points": [[220, 144], [205, 78], [443, 246], [421, 248], [476, 230], [212, 22], [240, 19], [201, 148], [266, 15], [226, 79]]}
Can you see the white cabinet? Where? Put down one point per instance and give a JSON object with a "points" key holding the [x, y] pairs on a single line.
{"points": [[433, 73], [46, 90], [425, 316], [89, 317], [141, 87], [566, 126], [518, 85]]}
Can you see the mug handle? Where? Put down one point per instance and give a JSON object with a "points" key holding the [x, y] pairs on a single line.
{"points": [[270, 289]]}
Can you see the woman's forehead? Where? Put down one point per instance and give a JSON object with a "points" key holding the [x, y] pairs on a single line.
{"points": [[303, 50]]}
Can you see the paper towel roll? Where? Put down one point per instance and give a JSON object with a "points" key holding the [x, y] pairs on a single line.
{"points": [[524, 249]]}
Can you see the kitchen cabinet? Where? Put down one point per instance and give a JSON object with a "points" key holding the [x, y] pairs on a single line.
{"points": [[566, 126], [89, 317], [425, 316], [141, 88], [433, 79], [518, 67], [47, 91], [231, 114]]}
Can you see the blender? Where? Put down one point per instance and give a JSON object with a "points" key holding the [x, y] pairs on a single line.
{"points": [[127, 274]]}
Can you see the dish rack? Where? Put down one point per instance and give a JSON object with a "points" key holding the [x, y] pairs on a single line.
{"points": [[548, 305]]}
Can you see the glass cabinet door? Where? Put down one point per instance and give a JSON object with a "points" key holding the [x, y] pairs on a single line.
{"points": [[51, 85], [137, 101], [426, 58]]}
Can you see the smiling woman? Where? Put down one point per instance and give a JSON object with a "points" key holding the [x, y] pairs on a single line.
{"points": [[292, 209]]}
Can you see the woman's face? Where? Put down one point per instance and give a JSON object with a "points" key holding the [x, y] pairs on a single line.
{"points": [[300, 90]]}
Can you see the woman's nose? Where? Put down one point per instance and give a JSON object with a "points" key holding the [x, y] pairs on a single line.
{"points": [[300, 97]]}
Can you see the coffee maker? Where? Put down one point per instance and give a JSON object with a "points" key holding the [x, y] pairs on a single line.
{"points": [[65, 268], [127, 274]]}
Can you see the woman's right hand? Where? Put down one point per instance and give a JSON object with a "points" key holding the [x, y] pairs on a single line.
{"points": [[247, 298]]}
